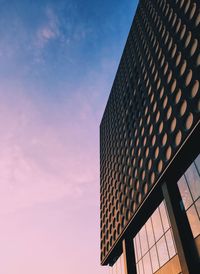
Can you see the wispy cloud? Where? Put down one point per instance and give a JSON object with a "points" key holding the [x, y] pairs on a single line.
{"points": [[49, 30]]}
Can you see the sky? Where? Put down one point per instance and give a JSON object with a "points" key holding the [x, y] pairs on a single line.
{"points": [[58, 59]]}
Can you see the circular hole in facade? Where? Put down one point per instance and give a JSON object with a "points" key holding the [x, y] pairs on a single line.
{"points": [[169, 113], [195, 89], [147, 152], [161, 127], [161, 93], [178, 58], [189, 121], [178, 96], [169, 77], [174, 51], [143, 175], [165, 102], [156, 153], [139, 198], [154, 106], [173, 86], [173, 125], [157, 116], [198, 106], [168, 153], [178, 25], [160, 166], [192, 12], [197, 21], [137, 185], [145, 188], [183, 30], [183, 108], [188, 78], [188, 39], [144, 141], [198, 60], [150, 129], [152, 178], [153, 141], [183, 67], [164, 139], [194, 47], [149, 166], [178, 138]]}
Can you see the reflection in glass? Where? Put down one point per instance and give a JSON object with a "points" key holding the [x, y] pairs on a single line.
{"points": [[150, 233], [137, 269], [164, 217], [118, 267], [136, 255], [190, 192], [141, 267], [162, 251], [154, 259], [153, 245], [138, 247], [185, 193], [192, 177], [157, 225], [170, 243], [143, 240], [198, 206], [122, 264], [197, 162], [194, 221], [147, 264]]}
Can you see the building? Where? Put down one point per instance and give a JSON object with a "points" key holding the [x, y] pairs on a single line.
{"points": [[150, 145]]}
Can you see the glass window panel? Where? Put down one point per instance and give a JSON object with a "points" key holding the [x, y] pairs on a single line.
{"points": [[157, 225], [197, 162], [164, 217], [150, 234], [198, 206], [118, 270], [137, 267], [122, 263], [193, 180], [162, 251], [114, 269], [154, 258], [141, 267], [135, 249], [185, 193], [170, 243], [143, 240], [194, 221], [147, 264], [138, 246]]}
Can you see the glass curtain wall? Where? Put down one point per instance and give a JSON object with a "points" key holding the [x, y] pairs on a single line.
{"points": [[118, 267], [154, 244], [189, 187]]}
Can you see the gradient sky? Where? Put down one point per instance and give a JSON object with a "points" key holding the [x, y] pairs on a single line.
{"points": [[58, 59]]}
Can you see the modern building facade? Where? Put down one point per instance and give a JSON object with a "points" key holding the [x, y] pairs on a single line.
{"points": [[150, 145]]}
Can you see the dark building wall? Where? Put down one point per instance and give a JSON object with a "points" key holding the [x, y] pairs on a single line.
{"points": [[153, 109]]}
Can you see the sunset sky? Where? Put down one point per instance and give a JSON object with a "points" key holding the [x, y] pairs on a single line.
{"points": [[58, 59]]}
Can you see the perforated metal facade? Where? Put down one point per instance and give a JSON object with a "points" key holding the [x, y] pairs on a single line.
{"points": [[153, 106]]}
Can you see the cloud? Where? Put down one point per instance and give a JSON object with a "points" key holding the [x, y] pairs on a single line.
{"points": [[49, 30]]}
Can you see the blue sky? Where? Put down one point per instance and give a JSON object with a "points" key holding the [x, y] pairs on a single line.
{"points": [[58, 60]]}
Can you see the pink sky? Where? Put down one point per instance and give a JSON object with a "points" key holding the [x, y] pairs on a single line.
{"points": [[49, 173], [57, 64]]}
